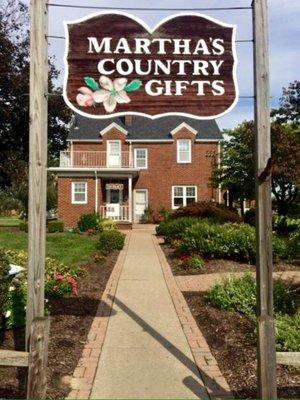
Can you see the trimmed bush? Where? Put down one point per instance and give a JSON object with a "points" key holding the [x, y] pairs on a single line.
{"points": [[208, 209], [233, 241], [23, 226], [249, 217], [284, 225], [88, 221], [55, 226], [239, 294], [175, 228], [287, 332], [4, 282], [110, 240]]}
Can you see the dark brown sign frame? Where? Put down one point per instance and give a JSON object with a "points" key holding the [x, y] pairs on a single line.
{"points": [[116, 65]]}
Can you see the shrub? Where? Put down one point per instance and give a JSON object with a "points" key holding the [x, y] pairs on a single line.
{"points": [[239, 294], [23, 226], [287, 332], [195, 262], [249, 217], [4, 283], [61, 285], [107, 224], [233, 241], [110, 240], [293, 245], [207, 209], [175, 228], [284, 225], [55, 226], [88, 221]]}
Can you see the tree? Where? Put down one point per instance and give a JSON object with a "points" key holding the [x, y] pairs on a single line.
{"points": [[14, 94], [237, 165], [289, 105]]}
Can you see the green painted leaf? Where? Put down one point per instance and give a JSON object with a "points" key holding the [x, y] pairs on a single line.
{"points": [[133, 85], [91, 83]]}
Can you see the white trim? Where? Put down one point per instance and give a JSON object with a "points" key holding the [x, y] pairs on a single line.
{"points": [[150, 30], [183, 194], [85, 140], [210, 140], [111, 126], [73, 193], [130, 197], [96, 192], [190, 151], [134, 200], [135, 159], [182, 126], [150, 141]]}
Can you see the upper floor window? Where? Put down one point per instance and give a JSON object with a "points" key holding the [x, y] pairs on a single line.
{"points": [[183, 195], [79, 192], [184, 147], [141, 158]]}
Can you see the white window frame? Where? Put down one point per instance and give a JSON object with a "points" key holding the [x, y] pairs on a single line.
{"points": [[184, 196], [73, 193], [178, 151], [146, 157]]}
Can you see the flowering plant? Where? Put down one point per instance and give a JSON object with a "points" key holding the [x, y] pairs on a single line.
{"points": [[60, 285], [109, 92]]}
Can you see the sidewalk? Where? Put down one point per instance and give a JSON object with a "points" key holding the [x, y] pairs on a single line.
{"points": [[144, 351]]}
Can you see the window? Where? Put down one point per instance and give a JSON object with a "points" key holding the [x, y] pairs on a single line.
{"points": [[140, 158], [183, 195], [79, 192], [184, 151]]}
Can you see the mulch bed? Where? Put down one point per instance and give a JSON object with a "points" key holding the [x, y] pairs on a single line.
{"points": [[228, 336], [216, 265], [71, 318]]}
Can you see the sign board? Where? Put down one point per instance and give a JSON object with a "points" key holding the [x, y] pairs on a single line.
{"points": [[116, 65], [114, 186]]}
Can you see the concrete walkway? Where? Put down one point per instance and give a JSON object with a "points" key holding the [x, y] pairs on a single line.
{"points": [[145, 352]]}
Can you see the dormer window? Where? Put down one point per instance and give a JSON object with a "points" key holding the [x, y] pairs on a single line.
{"points": [[184, 147]]}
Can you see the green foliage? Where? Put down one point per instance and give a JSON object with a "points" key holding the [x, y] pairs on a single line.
{"points": [[4, 282], [239, 294], [284, 225], [287, 332], [294, 245], [88, 221], [107, 224], [194, 261], [173, 229], [55, 226], [233, 241], [207, 209], [110, 240], [249, 217], [8, 203], [23, 226]]}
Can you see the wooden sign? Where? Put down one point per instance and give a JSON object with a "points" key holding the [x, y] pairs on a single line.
{"points": [[114, 186], [116, 65]]}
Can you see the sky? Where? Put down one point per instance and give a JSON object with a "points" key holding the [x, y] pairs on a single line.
{"points": [[284, 35]]}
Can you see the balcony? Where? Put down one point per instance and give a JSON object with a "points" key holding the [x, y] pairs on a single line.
{"points": [[95, 159]]}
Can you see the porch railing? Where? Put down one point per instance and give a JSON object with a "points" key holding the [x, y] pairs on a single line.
{"points": [[115, 212], [92, 159]]}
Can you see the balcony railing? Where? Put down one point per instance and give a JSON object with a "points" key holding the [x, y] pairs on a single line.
{"points": [[95, 159], [115, 212]]}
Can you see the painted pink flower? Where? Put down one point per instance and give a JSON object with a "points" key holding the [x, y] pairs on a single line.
{"points": [[85, 97], [112, 93]]}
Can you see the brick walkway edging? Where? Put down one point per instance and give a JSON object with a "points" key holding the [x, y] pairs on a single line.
{"points": [[84, 373], [216, 384]]}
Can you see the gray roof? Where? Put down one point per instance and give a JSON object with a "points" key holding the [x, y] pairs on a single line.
{"points": [[83, 128]]}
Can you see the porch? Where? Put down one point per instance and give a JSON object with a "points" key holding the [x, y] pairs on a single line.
{"points": [[114, 158]]}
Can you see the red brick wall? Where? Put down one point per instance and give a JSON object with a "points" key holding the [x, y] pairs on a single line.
{"points": [[163, 172]]}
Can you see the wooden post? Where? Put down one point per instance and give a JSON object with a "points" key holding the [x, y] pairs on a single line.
{"points": [[264, 259], [39, 337], [37, 162]]}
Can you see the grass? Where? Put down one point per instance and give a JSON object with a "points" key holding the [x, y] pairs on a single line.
{"points": [[9, 221], [69, 248]]}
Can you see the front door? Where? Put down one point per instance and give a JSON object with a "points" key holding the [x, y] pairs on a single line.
{"points": [[114, 200], [140, 204], [114, 153]]}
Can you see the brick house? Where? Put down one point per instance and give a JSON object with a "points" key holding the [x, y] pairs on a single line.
{"points": [[121, 166]]}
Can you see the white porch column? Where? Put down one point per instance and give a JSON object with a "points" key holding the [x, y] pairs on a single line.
{"points": [[96, 192], [130, 197]]}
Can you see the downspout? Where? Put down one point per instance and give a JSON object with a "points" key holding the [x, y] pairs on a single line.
{"points": [[96, 192], [219, 166]]}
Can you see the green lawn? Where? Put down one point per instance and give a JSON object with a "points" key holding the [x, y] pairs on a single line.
{"points": [[69, 248], [9, 221]]}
